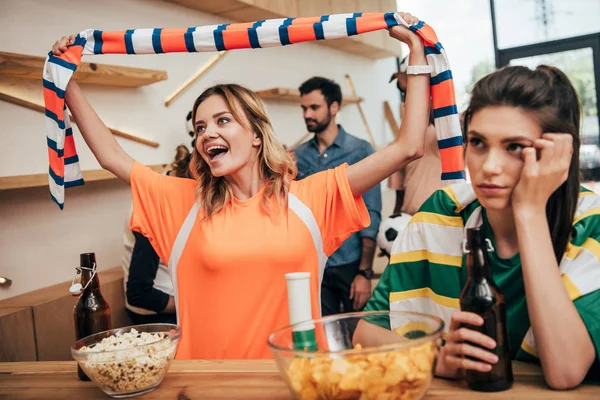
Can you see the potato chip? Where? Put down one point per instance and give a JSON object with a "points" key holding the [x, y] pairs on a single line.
{"points": [[397, 374]]}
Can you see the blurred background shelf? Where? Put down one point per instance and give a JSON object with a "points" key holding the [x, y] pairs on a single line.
{"points": [[12, 92], [30, 67], [372, 45], [37, 180], [287, 94]]}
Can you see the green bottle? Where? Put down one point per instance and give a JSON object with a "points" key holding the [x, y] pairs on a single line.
{"points": [[303, 334]]}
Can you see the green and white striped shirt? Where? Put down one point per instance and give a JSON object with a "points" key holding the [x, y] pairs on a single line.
{"points": [[427, 269]]}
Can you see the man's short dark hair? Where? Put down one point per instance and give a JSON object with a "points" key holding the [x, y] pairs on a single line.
{"points": [[331, 90]]}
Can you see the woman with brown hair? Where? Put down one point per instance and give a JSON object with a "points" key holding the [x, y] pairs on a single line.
{"points": [[232, 233], [522, 133]]}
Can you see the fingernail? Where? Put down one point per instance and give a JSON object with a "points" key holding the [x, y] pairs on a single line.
{"points": [[491, 344], [488, 367], [493, 358]]}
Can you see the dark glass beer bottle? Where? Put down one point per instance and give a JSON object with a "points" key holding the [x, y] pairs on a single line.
{"points": [[92, 312], [481, 296]]}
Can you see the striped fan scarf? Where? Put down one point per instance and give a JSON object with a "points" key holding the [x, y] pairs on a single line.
{"points": [[64, 168]]}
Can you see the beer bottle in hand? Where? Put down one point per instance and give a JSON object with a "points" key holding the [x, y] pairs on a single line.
{"points": [[481, 296], [92, 312]]}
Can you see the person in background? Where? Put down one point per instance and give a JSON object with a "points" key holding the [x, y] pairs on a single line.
{"points": [[415, 182], [147, 281], [347, 279]]}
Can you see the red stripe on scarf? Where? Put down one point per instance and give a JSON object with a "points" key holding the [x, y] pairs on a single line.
{"points": [[70, 146], [56, 163], [306, 21], [428, 35], [236, 36], [369, 22], [113, 42], [302, 31], [173, 40], [73, 55], [54, 103], [452, 159], [442, 94]]}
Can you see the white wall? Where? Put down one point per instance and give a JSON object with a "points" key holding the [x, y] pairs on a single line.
{"points": [[39, 244]]}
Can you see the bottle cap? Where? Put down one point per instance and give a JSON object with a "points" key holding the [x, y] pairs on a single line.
{"points": [[87, 259], [76, 289]]}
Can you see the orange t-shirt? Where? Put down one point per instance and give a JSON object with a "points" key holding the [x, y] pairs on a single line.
{"points": [[231, 286]]}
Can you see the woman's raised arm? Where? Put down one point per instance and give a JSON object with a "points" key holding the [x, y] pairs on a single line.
{"points": [[98, 137], [370, 171]]}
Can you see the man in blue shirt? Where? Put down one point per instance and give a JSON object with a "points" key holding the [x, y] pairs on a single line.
{"points": [[347, 277]]}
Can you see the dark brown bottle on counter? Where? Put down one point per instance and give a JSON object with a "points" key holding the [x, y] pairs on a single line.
{"points": [[481, 296], [92, 312]]}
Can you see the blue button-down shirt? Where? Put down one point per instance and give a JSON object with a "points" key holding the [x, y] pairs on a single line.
{"points": [[350, 149]]}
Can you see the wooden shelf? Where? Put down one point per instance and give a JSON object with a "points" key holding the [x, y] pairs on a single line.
{"points": [[30, 67], [11, 92], [373, 45], [293, 95], [38, 180]]}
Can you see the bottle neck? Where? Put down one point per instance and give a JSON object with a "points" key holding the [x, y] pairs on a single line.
{"points": [[87, 274], [478, 264]]}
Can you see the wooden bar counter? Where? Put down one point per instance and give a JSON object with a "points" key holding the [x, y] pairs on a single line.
{"points": [[240, 380]]}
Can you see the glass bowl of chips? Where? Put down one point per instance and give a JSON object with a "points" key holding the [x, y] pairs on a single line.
{"points": [[362, 355]]}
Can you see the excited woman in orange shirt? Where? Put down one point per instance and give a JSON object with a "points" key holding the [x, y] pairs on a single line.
{"points": [[232, 234]]}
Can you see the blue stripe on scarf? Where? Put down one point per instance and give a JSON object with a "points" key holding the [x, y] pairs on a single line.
{"points": [[218, 36], [98, 42], [431, 50], [59, 204], [253, 35], [450, 142], [445, 111], [59, 61], [189, 40], [351, 24], [284, 37], [59, 180], [79, 41], [447, 176], [390, 20], [418, 26], [50, 85], [54, 117], [318, 28], [156, 41], [129, 41], [78, 182], [441, 77], [71, 160], [52, 145], [68, 132]]}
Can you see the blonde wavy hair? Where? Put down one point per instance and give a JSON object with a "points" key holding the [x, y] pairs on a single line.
{"points": [[276, 166]]}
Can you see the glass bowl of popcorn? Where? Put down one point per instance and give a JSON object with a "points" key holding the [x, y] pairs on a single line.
{"points": [[362, 355], [130, 361]]}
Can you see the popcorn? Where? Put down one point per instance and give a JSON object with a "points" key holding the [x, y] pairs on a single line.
{"points": [[397, 374], [129, 362]]}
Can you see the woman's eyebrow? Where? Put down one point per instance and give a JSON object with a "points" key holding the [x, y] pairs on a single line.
{"points": [[517, 139], [214, 116]]}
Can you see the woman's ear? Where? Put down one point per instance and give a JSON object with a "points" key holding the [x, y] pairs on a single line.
{"points": [[256, 140]]}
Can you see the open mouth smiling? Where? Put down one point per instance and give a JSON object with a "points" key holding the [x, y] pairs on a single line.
{"points": [[216, 151]]}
